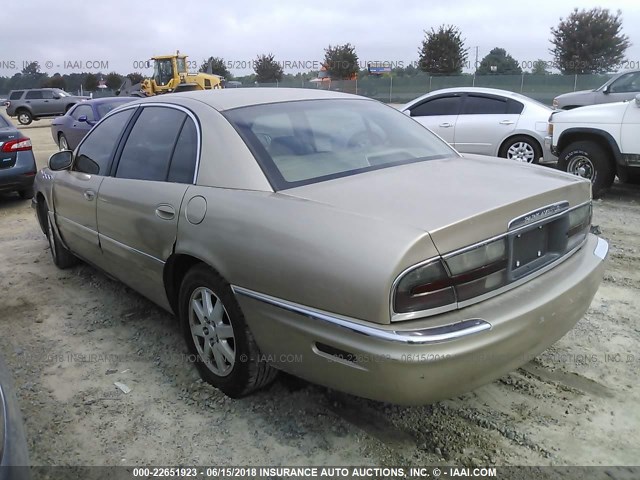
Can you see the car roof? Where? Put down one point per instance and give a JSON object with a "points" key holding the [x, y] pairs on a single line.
{"points": [[485, 90], [222, 99], [489, 91], [101, 100]]}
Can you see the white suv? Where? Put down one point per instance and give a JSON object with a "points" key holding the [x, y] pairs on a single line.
{"points": [[598, 142]]}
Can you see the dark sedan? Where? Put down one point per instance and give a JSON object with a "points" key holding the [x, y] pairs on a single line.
{"points": [[17, 163], [69, 129]]}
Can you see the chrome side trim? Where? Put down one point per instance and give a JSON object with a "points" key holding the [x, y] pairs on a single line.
{"points": [[602, 249], [129, 249], [4, 422], [423, 336]]}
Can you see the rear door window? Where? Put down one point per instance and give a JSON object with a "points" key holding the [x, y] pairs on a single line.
{"points": [[34, 95], [148, 150], [185, 155], [481, 105]]}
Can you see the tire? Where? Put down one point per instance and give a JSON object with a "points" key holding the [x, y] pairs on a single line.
{"points": [[24, 117], [26, 193], [227, 355], [62, 142], [521, 148], [589, 160], [62, 258]]}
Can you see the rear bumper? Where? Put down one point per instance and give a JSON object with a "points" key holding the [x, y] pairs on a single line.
{"points": [[16, 181], [427, 360], [21, 176]]}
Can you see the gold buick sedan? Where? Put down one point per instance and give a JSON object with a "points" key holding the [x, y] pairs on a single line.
{"points": [[326, 235]]}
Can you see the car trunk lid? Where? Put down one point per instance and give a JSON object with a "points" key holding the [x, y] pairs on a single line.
{"points": [[458, 200]]}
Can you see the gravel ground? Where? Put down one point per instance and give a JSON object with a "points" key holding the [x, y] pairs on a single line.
{"points": [[67, 336]]}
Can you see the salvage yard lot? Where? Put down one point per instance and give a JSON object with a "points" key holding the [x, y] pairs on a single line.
{"points": [[67, 336]]}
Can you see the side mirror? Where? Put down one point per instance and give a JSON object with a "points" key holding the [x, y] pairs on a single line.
{"points": [[83, 118], [56, 97], [638, 100], [60, 160], [605, 90]]}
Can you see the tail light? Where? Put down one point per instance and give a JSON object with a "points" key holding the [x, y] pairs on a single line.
{"points": [[579, 225], [479, 270], [17, 145], [470, 273], [7, 104], [425, 287]]}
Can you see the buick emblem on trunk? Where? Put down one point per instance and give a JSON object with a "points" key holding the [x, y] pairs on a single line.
{"points": [[539, 214]]}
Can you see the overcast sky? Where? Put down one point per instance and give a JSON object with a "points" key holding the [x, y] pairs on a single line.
{"points": [[119, 33]]}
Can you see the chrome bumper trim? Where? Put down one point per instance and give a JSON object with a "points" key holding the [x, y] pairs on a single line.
{"points": [[422, 336], [602, 249]]}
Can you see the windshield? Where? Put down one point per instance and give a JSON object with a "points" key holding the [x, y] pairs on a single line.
{"points": [[162, 71], [298, 143], [62, 93], [182, 65], [104, 108]]}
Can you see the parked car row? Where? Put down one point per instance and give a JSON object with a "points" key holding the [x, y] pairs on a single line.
{"points": [[330, 227]]}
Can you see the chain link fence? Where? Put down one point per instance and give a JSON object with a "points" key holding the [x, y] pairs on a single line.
{"points": [[403, 89]]}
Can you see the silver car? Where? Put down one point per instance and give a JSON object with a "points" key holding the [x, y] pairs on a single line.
{"points": [[486, 121], [326, 235], [621, 87]]}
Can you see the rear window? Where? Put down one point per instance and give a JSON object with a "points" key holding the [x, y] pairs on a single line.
{"points": [[17, 95], [104, 108], [298, 143]]}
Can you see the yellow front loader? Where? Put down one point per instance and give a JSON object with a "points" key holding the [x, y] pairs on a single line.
{"points": [[170, 75]]}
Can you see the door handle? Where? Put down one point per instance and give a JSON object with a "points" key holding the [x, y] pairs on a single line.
{"points": [[165, 212], [507, 122], [445, 125], [89, 195]]}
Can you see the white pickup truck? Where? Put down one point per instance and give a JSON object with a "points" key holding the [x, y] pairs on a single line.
{"points": [[598, 142]]}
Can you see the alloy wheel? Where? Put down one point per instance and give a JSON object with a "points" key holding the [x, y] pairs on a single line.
{"points": [[522, 152], [211, 331]]}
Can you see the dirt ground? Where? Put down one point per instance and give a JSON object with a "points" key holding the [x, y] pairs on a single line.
{"points": [[67, 336]]}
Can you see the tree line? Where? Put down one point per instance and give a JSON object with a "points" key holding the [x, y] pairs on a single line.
{"points": [[586, 42]]}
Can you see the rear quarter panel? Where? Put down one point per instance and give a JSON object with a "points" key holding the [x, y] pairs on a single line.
{"points": [[301, 251]]}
